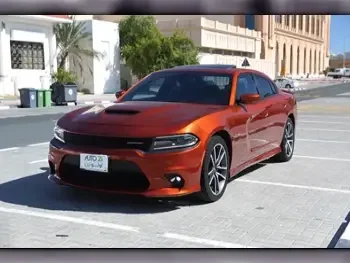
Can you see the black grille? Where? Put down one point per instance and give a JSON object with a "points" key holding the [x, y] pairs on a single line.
{"points": [[143, 144], [122, 176]]}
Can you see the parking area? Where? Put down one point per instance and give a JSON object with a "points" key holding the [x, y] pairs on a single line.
{"points": [[299, 204]]}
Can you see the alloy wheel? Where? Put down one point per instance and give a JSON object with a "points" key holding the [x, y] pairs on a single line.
{"points": [[289, 139], [218, 167]]}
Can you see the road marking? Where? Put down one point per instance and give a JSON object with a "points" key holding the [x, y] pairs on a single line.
{"points": [[316, 129], [68, 219], [203, 241], [295, 186], [323, 141], [324, 116], [9, 149], [38, 161], [325, 122], [38, 144], [321, 158]]}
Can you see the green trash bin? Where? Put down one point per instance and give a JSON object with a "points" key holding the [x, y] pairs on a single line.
{"points": [[47, 98], [39, 98]]}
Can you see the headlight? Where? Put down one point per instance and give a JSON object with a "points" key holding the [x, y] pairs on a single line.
{"points": [[174, 142], [58, 133]]}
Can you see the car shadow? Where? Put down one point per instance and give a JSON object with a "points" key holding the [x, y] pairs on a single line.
{"points": [[36, 191]]}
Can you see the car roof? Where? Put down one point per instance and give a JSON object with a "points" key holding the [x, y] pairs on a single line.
{"points": [[206, 66], [218, 68]]}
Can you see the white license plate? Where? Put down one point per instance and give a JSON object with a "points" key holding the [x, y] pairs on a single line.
{"points": [[93, 162]]}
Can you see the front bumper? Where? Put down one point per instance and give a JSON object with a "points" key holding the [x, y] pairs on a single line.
{"points": [[152, 171]]}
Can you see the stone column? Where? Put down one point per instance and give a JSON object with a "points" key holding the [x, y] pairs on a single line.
{"points": [[301, 60], [295, 59], [287, 61], [307, 60]]}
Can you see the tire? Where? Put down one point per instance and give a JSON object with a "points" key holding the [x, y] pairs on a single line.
{"points": [[208, 194], [288, 86], [287, 152]]}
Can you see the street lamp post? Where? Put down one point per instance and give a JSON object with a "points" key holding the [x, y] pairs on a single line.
{"points": [[345, 38]]}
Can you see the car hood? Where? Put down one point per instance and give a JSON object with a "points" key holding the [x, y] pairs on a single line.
{"points": [[142, 114]]}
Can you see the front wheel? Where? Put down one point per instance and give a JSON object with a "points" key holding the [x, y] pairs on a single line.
{"points": [[288, 141], [215, 170]]}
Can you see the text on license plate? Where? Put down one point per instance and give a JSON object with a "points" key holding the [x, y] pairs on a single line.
{"points": [[93, 162]]}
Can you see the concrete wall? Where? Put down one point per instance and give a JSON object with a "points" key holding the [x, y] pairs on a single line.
{"points": [[101, 76], [266, 66]]}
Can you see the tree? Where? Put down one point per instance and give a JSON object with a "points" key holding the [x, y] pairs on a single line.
{"points": [[145, 49], [69, 39]]}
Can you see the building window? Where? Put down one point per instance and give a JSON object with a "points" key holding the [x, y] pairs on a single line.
{"points": [[307, 23], [313, 25], [286, 20], [317, 26], [250, 22], [278, 19], [300, 22], [27, 55], [294, 21]]}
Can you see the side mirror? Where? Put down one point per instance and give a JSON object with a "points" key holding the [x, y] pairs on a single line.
{"points": [[119, 93], [249, 98]]}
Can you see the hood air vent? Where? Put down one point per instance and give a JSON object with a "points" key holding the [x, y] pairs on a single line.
{"points": [[123, 112]]}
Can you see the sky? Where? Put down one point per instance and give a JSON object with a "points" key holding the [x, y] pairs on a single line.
{"points": [[340, 35]]}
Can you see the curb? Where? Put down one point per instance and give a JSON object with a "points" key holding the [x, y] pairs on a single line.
{"points": [[69, 104], [5, 107], [92, 102], [344, 239]]}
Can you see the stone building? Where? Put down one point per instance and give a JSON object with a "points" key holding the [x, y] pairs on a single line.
{"points": [[292, 45], [300, 43]]}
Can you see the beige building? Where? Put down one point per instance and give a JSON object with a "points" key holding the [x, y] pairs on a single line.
{"points": [[299, 42], [294, 45]]}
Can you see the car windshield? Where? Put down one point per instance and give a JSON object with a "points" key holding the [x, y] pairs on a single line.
{"points": [[184, 87]]}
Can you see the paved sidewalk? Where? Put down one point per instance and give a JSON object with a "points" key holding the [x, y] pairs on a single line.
{"points": [[82, 100]]}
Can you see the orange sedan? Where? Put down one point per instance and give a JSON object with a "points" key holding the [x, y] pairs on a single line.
{"points": [[176, 132]]}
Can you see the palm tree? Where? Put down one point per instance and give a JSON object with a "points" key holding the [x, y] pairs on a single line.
{"points": [[69, 38]]}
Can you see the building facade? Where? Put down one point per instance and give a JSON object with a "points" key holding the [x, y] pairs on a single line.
{"points": [[28, 51], [219, 40], [290, 45], [299, 44]]}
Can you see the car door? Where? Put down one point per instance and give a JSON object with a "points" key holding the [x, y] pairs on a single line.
{"points": [[272, 122], [245, 122]]}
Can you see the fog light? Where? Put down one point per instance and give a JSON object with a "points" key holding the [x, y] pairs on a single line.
{"points": [[175, 180]]}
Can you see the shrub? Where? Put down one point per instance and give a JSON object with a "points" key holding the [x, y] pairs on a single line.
{"points": [[63, 76]]}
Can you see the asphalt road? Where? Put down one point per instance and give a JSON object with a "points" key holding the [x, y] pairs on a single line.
{"points": [[302, 203]]}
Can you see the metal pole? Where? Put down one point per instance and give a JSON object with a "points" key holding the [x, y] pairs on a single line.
{"points": [[344, 52]]}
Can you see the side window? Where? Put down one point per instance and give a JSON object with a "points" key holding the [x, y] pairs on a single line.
{"points": [[264, 88], [245, 85]]}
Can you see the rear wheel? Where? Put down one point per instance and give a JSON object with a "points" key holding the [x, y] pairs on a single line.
{"points": [[287, 144], [288, 86], [215, 170]]}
